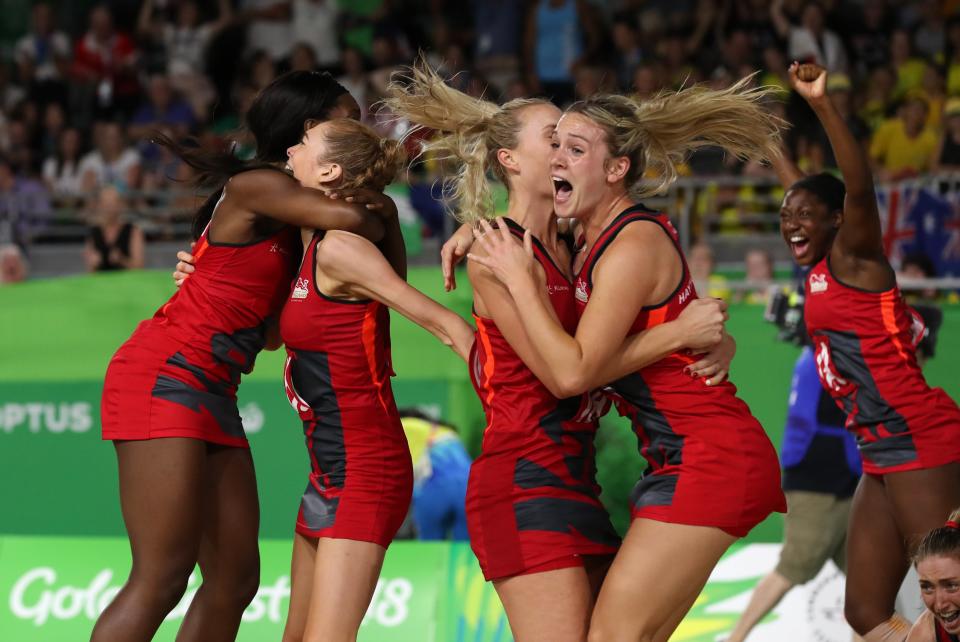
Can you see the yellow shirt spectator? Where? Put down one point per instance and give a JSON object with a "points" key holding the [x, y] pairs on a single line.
{"points": [[896, 152]]}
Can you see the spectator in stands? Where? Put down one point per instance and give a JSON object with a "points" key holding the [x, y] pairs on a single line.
{"points": [[355, 78], [163, 110], [701, 263], [648, 79], [13, 265], [268, 27], [903, 146], [560, 34], [54, 122], [878, 97], [841, 95], [934, 90], [261, 70], [811, 41], [626, 41], [315, 25], [104, 70], [61, 169], [929, 39], [43, 56], [946, 156], [113, 244], [909, 67], [302, 58], [759, 274], [24, 205], [498, 28], [10, 93], [952, 56], [185, 41], [112, 162]]}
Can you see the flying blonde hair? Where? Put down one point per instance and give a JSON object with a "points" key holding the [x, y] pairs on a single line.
{"points": [[658, 133], [470, 132]]}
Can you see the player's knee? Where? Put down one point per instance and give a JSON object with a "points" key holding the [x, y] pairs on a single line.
{"points": [[239, 586], [162, 585], [861, 616]]}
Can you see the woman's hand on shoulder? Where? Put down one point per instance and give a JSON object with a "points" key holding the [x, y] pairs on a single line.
{"points": [[185, 265], [509, 260], [371, 199]]}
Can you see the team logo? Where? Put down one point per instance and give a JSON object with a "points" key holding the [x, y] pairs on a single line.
{"points": [[300, 289], [818, 283], [581, 292]]}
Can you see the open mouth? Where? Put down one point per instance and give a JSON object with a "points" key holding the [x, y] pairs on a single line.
{"points": [[799, 244], [950, 620], [562, 189]]}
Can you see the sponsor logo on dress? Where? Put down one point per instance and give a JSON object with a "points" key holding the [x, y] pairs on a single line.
{"points": [[553, 289], [277, 248], [301, 288], [818, 283], [581, 292]]}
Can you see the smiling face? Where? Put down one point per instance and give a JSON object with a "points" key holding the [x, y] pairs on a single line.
{"points": [[528, 164], [307, 160], [581, 167], [807, 225], [940, 589]]}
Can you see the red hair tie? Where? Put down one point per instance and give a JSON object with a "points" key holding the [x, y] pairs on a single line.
{"points": [[952, 524]]}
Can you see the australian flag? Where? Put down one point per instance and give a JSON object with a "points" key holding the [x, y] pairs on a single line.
{"points": [[918, 219]]}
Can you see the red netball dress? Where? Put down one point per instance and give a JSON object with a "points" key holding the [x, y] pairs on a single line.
{"points": [[177, 375], [337, 377], [532, 499], [864, 343], [709, 461]]}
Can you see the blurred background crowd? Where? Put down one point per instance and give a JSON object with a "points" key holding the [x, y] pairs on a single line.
{"points": [[83, 85]]}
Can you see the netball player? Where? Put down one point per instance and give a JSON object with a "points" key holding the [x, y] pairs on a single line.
{"points": [[864, 339], [937, 561], [335, 326], [187, 485], [533, 511], [713, 473]]}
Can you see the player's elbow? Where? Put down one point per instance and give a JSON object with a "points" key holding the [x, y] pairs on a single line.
{"points": [[569, 385]]}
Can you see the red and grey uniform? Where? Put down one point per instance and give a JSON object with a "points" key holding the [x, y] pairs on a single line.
{"points": [[532, 499], [864, 343], [177, 375], [709, 461], [337, 377]]}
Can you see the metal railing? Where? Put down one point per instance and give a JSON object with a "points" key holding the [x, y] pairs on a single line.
{"points": [[730, 213]]}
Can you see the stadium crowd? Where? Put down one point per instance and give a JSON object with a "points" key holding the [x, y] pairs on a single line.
{"points": [[83, 86]]}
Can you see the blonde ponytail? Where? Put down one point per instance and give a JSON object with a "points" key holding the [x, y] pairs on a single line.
{"points": [[658, 133], [470, 132]]}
